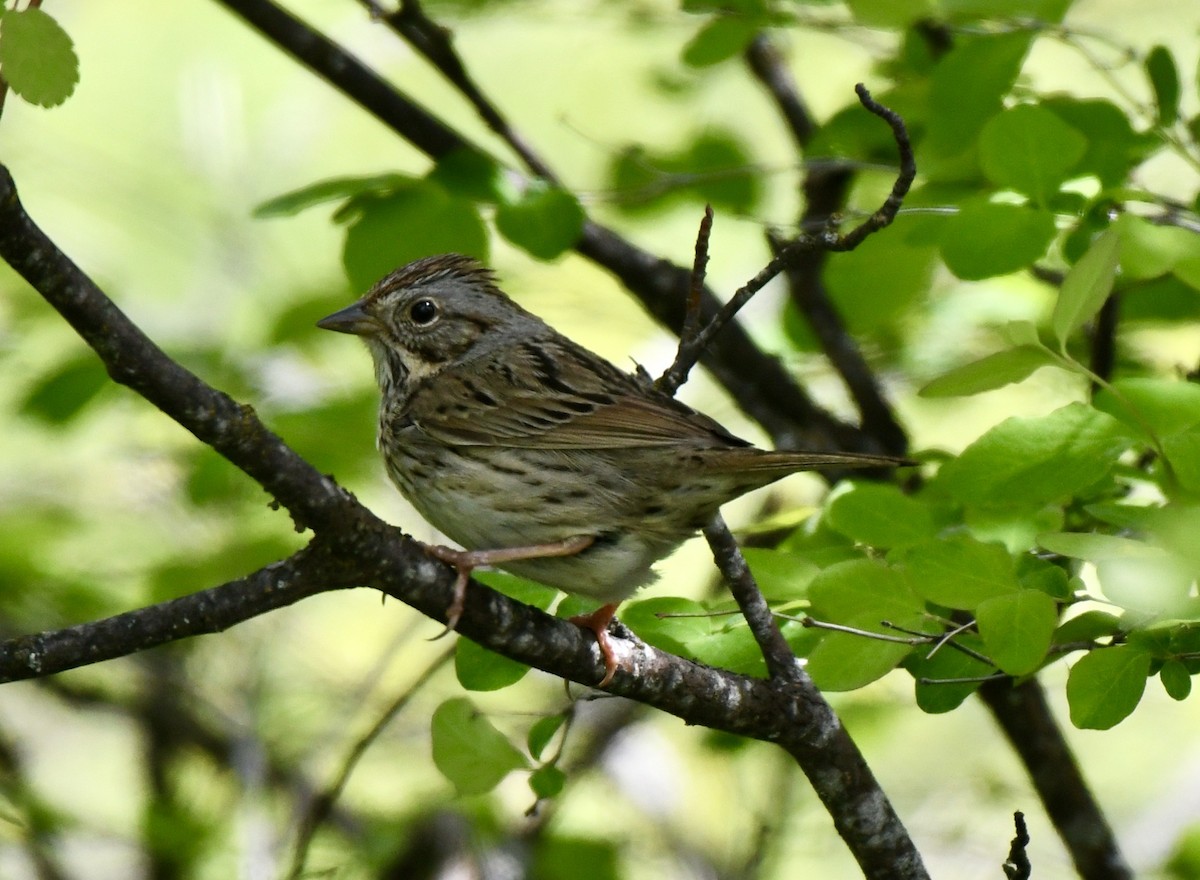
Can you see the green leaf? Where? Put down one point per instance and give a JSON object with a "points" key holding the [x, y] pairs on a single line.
{"points": [[545, 221], [1106, 685], [1113, 147], [985, 239], [968, 85], [938, 673], [1159, 584], [1029, 463], [1035, 573], [519, 588], [1164, 79], [1176, 680], [1168, 406], [547, 781], [719, 39], [479, 669], [61, 396], [781, 576], [1183, 452], [1149, 250], [862, 594], [651, 621], [960, 572], [880, 515], [1087, 286], [994, 371], [469, 173], [335, 189], [417, 221], [1029, 149], [846, 662], [1017, 628], [468, 750], [543, 732], [555, 858], [1087, 627], [716, 168], [1096, 547], [733, 648], [878, 283], [890, 13], [1022, 334], [37, 57]]}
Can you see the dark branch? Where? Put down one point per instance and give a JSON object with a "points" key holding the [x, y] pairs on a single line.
{"points": [[209, 611], [1023, 715], [781, 661], [770, 68], [433, 41]]}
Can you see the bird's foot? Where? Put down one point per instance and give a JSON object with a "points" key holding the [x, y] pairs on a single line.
{"points": [[466, 561], [598, 622]]}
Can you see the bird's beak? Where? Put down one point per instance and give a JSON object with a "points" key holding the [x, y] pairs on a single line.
{"points": [[352, 319]]}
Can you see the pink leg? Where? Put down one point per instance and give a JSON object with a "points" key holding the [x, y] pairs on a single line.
{"points": [[466, 561], [598, 622]]}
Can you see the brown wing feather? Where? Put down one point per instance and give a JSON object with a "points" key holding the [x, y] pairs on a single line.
{"points": [[570, 399]]}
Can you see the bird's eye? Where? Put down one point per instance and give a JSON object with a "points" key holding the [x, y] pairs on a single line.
{"points": [[423, 311]]}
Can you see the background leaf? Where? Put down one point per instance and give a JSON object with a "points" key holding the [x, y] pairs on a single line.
{"points": [[1027, 463], [1164, 79], [37, 57], [1086, 286], [986, 374], [468, 749], [1029, 149], [1105, 686]]}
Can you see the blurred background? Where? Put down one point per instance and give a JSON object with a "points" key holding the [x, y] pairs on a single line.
{"points": [[190, 761]]}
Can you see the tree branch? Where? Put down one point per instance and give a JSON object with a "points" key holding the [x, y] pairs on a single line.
{"points": [[1026, 720]]}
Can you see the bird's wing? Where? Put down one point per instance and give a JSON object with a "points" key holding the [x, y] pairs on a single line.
{"points": [[555, 396]]}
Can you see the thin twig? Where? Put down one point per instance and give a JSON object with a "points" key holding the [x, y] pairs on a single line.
{"points": [[676, 374], [321, 806], [690, 350], [1017, 866]]}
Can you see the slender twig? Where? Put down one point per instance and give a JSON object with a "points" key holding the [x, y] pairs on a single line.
{"points": [[690, 350], [1017, 866], [676, 374], [321, 806], [824, 187]]}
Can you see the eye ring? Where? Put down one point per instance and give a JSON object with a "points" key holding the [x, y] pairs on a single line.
{"points": [[423, 312]]}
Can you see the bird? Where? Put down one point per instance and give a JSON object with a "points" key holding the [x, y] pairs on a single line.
{"points": [[533, 453]]}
